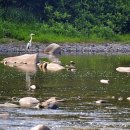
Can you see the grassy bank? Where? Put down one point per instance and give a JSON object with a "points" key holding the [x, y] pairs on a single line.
{"points": [[58, 33]]}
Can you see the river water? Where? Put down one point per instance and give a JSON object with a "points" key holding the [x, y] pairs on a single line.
{"points": [[80, 89]]}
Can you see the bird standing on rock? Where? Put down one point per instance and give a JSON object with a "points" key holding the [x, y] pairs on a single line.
{"points": [[29, 44]]}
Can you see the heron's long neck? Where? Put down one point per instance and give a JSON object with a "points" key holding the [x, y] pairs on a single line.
{"points": [[31, 39]]}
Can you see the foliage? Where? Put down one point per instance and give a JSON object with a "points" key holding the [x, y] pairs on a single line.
{"points": [[99, 18], [103, 32]]}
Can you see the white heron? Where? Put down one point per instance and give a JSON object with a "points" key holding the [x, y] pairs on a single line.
{"points": [[29, 44]]}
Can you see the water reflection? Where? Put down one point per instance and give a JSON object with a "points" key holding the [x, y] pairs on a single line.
{"points": [[28, 80], [28, 70], [54, 59]]}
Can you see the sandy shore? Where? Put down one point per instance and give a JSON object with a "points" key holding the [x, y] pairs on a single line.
{"points": [[68, 48]]}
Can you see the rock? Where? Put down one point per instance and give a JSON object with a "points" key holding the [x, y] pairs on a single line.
{"points": [[33, 87], [128, 98], [10, 105], [120, 98], [40, 127], [104, 81], [123, 69], [29, 59], [71, 67], [101, 101], [113, 97], [51, 103], [28, 102], [69, 48], [53, 49], [53, 67]]}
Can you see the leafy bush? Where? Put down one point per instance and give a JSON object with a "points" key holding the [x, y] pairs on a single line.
{"points": [[103, 32], [59, 28], [70, 17], [17, 15]]}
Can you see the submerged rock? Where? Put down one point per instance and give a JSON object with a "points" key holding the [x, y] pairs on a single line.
{"points": [[71, 67], [11, 105], [51, 103]]}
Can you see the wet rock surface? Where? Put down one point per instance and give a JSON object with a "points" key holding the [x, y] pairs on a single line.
{"points": [[69, 48]]}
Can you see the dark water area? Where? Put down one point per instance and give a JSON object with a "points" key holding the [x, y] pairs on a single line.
{"points": [[80, 89]]}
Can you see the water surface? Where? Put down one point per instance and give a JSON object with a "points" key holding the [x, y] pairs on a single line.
{"points": [[80, 89]]}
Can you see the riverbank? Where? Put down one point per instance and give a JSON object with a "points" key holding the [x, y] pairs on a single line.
{"points": [[69, 48]]}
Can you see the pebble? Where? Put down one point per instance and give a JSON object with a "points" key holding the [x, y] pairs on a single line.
{"points": [[128, 98], [104, 81], [33, 87], [101, 101], [120, 98], [71, 48]]}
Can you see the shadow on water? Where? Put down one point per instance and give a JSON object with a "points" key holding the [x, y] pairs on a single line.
{"points": [[80, 89]]}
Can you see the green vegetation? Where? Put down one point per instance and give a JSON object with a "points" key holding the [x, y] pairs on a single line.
{"points": [[65, 21]]}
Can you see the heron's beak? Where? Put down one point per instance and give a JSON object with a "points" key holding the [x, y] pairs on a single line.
{"points": [[32, 34]]}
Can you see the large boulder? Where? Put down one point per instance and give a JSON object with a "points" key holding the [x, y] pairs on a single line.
{"points": [[53, 49], [52, 67], [28, 102], [29, 59]]}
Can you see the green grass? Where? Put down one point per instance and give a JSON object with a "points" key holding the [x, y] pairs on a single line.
{"points": [[58, 33], [124, 38]]}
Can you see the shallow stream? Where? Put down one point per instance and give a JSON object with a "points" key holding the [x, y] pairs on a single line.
{"points": [[80, 89]]}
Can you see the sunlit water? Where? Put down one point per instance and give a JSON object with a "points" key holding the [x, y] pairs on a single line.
{"points": [[80, 89]]}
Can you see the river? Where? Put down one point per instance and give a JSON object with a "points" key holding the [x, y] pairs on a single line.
{"points": [[80, 89]]}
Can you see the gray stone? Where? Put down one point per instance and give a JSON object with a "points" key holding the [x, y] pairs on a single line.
{"points": [[53, 49]]}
